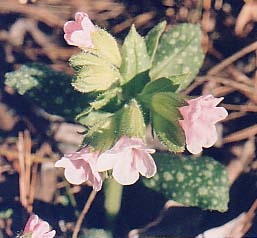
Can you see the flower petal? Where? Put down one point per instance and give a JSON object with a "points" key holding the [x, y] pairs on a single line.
{"points": [[145, 164], [31, 223], [75, 170], [82, 39], [40, 229], [124, 171], [50, 234], [107, 160]]}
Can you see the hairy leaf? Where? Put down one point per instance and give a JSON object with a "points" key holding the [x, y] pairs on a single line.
{"points": [[95, 78], [134, 56], [106, 46], [165, 114]]}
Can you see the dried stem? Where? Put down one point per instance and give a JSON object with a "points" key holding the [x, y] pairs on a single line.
{"points": [[87, 206], [223, 64]]}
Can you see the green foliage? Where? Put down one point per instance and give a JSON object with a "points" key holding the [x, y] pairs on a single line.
{"points": [[201, 182], [163, 104], [153, 37], [102, 134], [6, 214], [179, 53], [105, 128], [95, 78], [106, 98], [106, 46], [131, 120], [135, 59], [49, 89]]}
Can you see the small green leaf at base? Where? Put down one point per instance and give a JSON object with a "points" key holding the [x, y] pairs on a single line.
{"points": [[201, 182]]}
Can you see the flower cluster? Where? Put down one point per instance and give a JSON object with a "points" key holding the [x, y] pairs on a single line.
{"points": [[130, 157], [127, 158], [37, 228]]}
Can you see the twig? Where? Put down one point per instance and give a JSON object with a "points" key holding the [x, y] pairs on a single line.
{"points": [[22, 183], [223, 64], [241, 135], [83, 213]]}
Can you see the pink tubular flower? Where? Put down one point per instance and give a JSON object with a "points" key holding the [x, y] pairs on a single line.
{"points": [[127, 158], [36, 228], [78, 32], [81, 166], [200, 117]]}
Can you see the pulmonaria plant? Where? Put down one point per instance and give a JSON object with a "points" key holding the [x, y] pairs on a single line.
{"points": [[37, 228], [131, 87]]}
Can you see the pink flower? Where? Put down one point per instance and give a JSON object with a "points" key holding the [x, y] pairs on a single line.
{"points": [[36, 228], [127, 158], [200, 117], [78, 32], [81, 166]]}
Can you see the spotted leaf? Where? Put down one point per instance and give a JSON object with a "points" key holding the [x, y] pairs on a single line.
{"points": [[201, 182], [179, 54], [48, 89]]}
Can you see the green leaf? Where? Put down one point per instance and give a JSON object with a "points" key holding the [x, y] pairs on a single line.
{"points": [[156, 86], [135, 85], [201, 182], [134, 56], [105, 98], [106, 46], [104, 131], [179, 53], [169, 132], [103, 134], [165, 114], [48, 89], [92, 118], [95, 78], [153, 37], [83, 59], [131, 120]]}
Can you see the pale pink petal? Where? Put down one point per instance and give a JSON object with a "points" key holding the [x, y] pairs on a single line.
{"points": [[36, 228], [124, 171], [145, 164], [31, 223], [199, 119], [50, 234], [40, 229], [74, 170], [82, 39], [79, 16], [107, 160], [78, 32], [87, 25], [71, 26]]}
